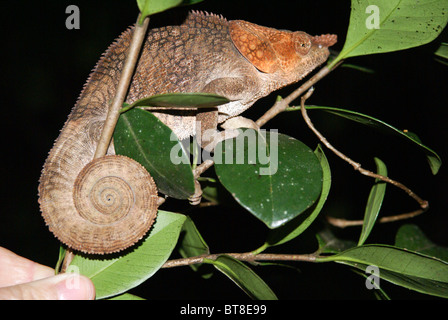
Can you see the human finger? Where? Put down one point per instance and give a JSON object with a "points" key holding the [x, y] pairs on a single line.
{"points": [[61, 287], [15, 269]]}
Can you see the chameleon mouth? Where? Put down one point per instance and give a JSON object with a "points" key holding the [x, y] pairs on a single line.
{"points": [[325, 40]]}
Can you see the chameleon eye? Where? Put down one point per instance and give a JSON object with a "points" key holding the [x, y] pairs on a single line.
{"points": [[302, 42]]}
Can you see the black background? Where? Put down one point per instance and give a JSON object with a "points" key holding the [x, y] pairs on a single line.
{"points": [[44, 66]]}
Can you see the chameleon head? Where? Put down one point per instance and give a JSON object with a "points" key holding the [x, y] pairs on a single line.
{"points": [[288, 55]]}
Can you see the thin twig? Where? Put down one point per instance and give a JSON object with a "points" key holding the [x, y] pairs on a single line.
{"points": [[202, 168], [281, 105], [248, 256], [357, 166], [208, 204], [343, 223], [69, 255], [114, 110]]}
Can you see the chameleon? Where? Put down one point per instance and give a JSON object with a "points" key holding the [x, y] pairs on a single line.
{"points": [[207, 53]]}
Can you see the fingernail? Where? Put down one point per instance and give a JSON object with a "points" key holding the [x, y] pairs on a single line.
{"points": [[75, 287]]}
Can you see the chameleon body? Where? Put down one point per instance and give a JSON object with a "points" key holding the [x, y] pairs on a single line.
{"points": [[207, 53]]}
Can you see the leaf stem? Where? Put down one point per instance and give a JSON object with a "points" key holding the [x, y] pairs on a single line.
{"points": [[261, 249]]}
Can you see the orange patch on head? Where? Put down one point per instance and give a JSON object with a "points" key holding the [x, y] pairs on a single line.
{"points": [[270, 49], [250, 39]]}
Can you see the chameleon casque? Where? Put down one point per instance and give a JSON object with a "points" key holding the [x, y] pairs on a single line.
{"points": [[108, 204]]}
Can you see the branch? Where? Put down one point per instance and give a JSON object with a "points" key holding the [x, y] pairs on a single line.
{"points": [[357, 166], [343, 223], [122, 88], [117, 103], [202, 168], [248, 256], [69, 255], [281, 105]]}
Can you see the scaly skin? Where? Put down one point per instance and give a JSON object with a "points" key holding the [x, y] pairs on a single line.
{"points": [[207, 53]]}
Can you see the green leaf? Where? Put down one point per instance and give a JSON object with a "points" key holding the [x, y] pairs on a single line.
{"points": [[192, 244], [149, 7], [433, 158], [126, 296], [115, 275], [328, 243], [442, 51], [244, 277], [410, 237], [180, 100], [190, 2], [273, 176], [378, 26], [299, 224], [144, 138], [404, 268], [374, 202], [378, 292], [215, 192]]}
